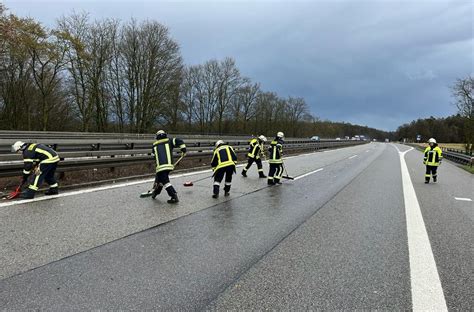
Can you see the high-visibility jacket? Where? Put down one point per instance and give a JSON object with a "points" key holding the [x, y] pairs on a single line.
{"points": [[38, 154], [223, 156], [163, 149], [275, 152], [255, 149], [433, 156]]}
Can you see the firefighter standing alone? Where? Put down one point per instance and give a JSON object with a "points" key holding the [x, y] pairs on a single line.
{"points": [[275, 161], [223, 163], [40, 160], [162, 150], [432, 160], [255, 151]]}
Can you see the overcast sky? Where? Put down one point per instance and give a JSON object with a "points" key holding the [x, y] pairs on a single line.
{"points": [[378, 63]]}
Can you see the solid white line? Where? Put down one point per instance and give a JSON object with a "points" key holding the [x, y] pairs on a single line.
{"points": [[118, 185], [352, 156], [308, 173], [462, 198], [427, 293], [97, 189]]}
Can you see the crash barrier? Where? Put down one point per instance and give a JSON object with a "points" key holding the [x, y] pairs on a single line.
{"points": [[456, 156], [83, 152]]}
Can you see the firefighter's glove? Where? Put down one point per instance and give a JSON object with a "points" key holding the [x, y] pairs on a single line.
{"points": [[183, 150]]}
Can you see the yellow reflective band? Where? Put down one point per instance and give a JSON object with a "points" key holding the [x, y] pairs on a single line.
{"points": [[182, 146], [28, 160], [54, 185], [161, 141], [31, 147], [168, 153], [26, 172]]}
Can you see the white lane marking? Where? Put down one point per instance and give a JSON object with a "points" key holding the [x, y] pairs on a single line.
{"points": [[97, 189], [426, 291], [308, 173], [462, 199], [352, 156], [118, 185]]}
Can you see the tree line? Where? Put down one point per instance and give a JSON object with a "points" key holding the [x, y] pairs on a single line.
{"points": [[458, 128], [112, 76]]}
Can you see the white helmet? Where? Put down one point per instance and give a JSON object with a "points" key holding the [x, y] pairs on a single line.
{"points": [[219, 142], [431, 140], [262, 138], [280, 134], [17, 146], [160, 134]]}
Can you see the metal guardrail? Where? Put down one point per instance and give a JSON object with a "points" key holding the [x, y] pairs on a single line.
{"points": [[82, 152], [452, 155]]}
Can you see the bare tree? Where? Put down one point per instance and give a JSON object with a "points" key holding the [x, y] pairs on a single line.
{"points": [[463, 92], [229, 82], [152, 60]]}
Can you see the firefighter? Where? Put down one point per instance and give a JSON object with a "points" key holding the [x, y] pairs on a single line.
{"points": [[163, 152], [42, 161], [275, 161], [223, 163], [432, 160], [254, 155]]}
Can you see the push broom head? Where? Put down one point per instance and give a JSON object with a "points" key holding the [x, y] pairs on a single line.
{"points": [[15, 193], [188, 183]]}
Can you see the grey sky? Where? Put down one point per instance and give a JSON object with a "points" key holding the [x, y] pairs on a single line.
{"points": [[379, 63]]}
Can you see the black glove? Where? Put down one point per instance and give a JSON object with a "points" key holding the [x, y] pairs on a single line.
{"points": [[183, 150]]}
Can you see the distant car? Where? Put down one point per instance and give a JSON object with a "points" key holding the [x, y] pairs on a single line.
{"points": [[338, 139], [387, 140], [315, 138]]}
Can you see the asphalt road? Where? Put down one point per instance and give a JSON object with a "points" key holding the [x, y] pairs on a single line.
{"points": [[334, 238]]}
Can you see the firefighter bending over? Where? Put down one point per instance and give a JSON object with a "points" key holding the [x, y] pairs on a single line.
{"points": [[42, 161], [163, 152], [254, 155], [223, 163]]}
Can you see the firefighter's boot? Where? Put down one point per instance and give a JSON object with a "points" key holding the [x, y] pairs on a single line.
{"points": [[52, 191], [215, 191], [157, 190]]}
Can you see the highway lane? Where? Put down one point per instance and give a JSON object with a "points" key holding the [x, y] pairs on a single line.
{"points": [[334, 238], [36, 233], [450, 226], [186, 262]]}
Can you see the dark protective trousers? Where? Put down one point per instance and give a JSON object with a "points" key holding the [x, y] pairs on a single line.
{"points": [[219, 175], [431, 171], [258, 161], [46, 174], [162, 179], [275, 173]]}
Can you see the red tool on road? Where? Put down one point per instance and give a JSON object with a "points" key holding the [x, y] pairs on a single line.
{"points": [[15, 193]]}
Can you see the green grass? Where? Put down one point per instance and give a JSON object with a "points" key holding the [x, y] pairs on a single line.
{"points": [[468, 168]]}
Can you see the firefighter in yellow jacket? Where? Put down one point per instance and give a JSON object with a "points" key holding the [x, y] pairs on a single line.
{"points": [[275, 161], [432, 160], [40, 160], [223, 163], [162, 150], [254, 155]]}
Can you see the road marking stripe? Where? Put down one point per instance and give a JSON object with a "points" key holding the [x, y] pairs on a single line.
{"points": [[352, 156], [462, 198], [308, 173], [118, 185], [426, 291]]}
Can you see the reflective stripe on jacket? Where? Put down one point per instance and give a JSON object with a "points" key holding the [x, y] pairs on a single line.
{"points": [[275, 150], [163, 149], [433, 156], [223, 156], [255, 149], [39, 154]]}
